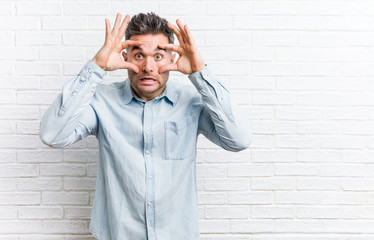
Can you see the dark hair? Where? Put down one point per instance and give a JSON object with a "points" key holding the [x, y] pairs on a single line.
{"points": [[148, 23]]}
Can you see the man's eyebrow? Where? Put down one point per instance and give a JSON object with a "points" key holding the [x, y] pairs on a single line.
{"points": [[136, 48], [140, 49], [163, 49]]}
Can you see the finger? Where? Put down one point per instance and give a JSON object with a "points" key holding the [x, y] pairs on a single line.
{"points": [[107, 28], [168, 67], [169, 46], [190, 39], [182, 31], [123, 27], [130, 66], [130, 43], [117, 22], [176, 32]]}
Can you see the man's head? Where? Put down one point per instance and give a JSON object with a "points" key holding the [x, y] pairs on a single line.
{"points": [[151, 30], [148, 23]]}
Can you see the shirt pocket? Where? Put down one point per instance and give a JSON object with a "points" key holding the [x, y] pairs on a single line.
{"points": [[180, 138]]}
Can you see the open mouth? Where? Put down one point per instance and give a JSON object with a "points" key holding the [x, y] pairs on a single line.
{"points": [[147, 80]]}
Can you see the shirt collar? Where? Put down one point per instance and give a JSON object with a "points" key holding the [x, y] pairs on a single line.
{"points": [[169, 93]]}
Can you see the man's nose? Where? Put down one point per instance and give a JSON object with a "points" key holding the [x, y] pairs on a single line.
{"points": [[149, 65]]}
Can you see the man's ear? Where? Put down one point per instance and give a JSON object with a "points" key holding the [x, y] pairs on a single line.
{"points": [[173, 57], [124, 55]]}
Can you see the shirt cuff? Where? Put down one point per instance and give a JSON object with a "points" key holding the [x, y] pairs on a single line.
{"points": [[203, 74], [92, 72]]}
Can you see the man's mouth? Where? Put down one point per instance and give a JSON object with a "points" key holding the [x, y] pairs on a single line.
{"points": [[147, 80]]}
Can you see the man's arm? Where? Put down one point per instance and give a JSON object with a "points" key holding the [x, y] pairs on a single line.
{"points": [[71, 118], [220, 121]]}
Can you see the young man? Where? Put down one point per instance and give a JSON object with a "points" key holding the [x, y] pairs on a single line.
{"points": [[146, 127]]}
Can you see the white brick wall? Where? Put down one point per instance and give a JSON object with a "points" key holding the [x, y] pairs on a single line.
{"points": [[301, 70]]}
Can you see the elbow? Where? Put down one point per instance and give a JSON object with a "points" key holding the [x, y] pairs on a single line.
{"points": [[239, 143], [45, 137], [243, 142]]}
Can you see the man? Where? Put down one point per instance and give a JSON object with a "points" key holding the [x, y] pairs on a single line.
{"points": [[146, 128]]}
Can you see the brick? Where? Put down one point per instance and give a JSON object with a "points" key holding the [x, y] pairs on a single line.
{"points": [[39, 156], [8, 213], [84, 39], [38, 8], [64, 23], [274, 69], [18, 141], [70, 198], [255, 23], [227, 212], [214, 226], [19, 23], [93, 8], [228, 8], [17, 227], [7, 127], [275, 8], [63, 226], [28, 198], [8, 185], [37, 38], [250, 170], [262, 183], [317, 183], [273, 155], [78, 212], [271, 212], [79, 183], [40, 213], [182, 8], [31, 128], [211, 170], [226, 185], [80, 156], [39, 69], [38, 184], [252, 226], [317, 212], [273, 127], [61, 53], [62, 169], [253, 197], [208, 23], [294, 197], [31, 97], [292, 169], [19, 170], [212, 198]]}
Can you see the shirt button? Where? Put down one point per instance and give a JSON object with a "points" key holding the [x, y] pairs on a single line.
{"points": [[150, 228], [150, 204], [150, 177], [89, 70], [147, 128], [147, 152], [73, 93]]}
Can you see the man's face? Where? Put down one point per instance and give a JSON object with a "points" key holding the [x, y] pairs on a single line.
{"points": [[148, 83]]}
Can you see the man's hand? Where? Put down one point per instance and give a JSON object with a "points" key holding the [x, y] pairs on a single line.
{"points": [[189, 60], [109, 56]]}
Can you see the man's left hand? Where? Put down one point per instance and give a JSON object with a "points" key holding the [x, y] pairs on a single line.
{"points": [[189, 60]]}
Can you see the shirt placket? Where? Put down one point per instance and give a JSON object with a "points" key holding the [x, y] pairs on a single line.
{"points": [[150, 186]]}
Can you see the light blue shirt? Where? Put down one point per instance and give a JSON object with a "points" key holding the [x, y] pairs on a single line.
{"points": [[146, 181]]}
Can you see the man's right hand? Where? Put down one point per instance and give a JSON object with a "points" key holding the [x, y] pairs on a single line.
{"points": [[109, 56]]}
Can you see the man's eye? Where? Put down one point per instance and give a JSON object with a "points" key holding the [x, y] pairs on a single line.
{"points": [[138, 56], [158, 56]]}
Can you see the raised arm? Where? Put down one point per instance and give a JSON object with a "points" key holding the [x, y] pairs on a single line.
{"points": [[71, 118], [221, 121]]}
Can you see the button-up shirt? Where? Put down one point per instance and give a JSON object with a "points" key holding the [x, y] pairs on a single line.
{"points": [[146, 180]]}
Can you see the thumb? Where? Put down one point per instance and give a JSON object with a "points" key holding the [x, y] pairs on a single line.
{"points": [[168, 67], [129, 66]]}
